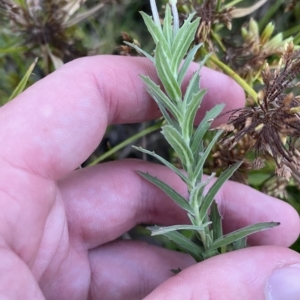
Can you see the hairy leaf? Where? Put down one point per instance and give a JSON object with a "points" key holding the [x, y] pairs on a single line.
{"points": [[156, 230], [183, 40], [204, 126], [156, 33], [198, 171], [167, 26], [160, 97], [177, 142], [165, 162], [187, 62], [216, 220], [185, 244], [215, 188], [242, 233], [165, 74], [169, 191], [190, 113]]}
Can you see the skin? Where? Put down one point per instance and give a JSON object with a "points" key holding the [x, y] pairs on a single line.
{"points": [[59, 227]]}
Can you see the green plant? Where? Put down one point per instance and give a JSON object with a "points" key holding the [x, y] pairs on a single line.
{"points": [[173, 55]]}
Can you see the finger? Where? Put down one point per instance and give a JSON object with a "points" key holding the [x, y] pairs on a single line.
{"points": [[17, 282], [131, 269], [53, 126], [265, 272], [115, 196]]}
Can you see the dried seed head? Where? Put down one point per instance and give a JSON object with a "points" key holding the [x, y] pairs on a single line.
{"points": [[258, 163], [126, 50], [274, 124], [249, 58], [284, 171], [209, 15], [43, 24]]}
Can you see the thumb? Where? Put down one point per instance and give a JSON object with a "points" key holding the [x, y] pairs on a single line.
{"points": [[265, 272]]}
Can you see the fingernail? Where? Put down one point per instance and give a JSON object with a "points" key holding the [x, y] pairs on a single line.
{"points": [[284, 283]]}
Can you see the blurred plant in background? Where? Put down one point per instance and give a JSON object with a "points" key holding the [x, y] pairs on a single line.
{"points": [[43, 26], [56, 31], [255, 42]]}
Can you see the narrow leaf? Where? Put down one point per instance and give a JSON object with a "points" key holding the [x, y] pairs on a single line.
{"points": [[167, 116], [190, 113], [240, 244], [138, 49], [187, 62], [22, 84], [160, 97], [156, 33], [183, 41], [216, 221], [198, 171], [182, 202], [167, 77], [156, 230], [177, 142], [165, 162], [204, 126], [209, 198], [196, 195], [185, 244], [167, 26], [242, 233], [192, 88]]}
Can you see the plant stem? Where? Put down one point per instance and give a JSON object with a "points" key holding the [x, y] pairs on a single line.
{"points": [[248, 89], [126, 143]]}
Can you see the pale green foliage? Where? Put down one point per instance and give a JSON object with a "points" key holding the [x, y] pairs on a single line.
{"points": [[173, 55]]}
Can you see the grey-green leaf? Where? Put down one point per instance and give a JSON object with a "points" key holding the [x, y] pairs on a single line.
{"points": [[138, 49], [165, 162], [166, 115], [185, 244], [204, 126], [190, 113], [156, 33], [216, 220], [225, 175], [242, 233], [167, 26], [192, 88], [157, 94], [187, 62], [198, 171], [182, 202], [177, 142], [239, 244], [183, 40], [165, 74], [196, 195], [156, 230]]}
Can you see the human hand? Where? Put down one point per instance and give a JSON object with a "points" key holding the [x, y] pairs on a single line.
{"points": [[59, 226]]}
